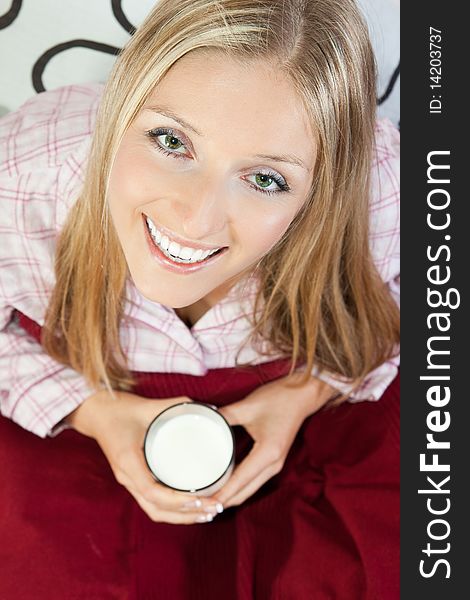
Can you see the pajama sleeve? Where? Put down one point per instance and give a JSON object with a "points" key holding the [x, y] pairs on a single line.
{"points": [[43, 146], [385, 248], [36, 391]]}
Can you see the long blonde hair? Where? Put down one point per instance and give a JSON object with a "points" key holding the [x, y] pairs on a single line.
{"points": [[322, 301]]}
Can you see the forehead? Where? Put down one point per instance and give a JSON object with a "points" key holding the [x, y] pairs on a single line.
{"points": [[255, 98]]}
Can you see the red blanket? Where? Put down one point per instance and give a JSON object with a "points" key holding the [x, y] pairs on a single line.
{"points": [[325, 528]]}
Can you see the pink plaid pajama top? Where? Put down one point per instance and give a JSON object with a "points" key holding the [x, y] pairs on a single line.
{"points": [[43, 151]]}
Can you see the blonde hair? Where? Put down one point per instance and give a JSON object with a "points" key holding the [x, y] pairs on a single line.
{"points": [[321, 299]]}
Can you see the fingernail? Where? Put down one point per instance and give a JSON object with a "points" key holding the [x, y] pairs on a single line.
{"points": [[204, 518], [193, 504], [210, 509], [214, 509]]}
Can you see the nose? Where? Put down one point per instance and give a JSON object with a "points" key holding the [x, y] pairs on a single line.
{"points": [[203, 209]]}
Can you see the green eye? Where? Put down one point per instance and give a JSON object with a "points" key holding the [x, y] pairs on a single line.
{"points": [[172, 142], [167, 142], [263, 181]]}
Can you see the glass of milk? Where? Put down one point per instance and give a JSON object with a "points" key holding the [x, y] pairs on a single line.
{"points": [[190, 447]]}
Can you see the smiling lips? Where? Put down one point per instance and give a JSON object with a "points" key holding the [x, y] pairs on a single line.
{"points": [[176, 252]]}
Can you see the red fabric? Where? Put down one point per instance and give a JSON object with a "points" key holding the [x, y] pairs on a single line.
{"points": [[325, 528]]}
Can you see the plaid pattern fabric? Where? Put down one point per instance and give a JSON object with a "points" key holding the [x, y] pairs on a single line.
{"points": [[43, 151]]}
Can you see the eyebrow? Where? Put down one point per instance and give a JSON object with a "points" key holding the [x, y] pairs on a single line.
{"points": [[285, 158], [166, 112]]}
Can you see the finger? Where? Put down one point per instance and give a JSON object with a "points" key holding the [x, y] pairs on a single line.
{"points": [[135, 475], [138, 479], [253, 486], [174, 517], [260, 458]]}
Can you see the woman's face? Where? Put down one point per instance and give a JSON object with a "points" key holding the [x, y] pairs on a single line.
{"points": [[209, 176]]}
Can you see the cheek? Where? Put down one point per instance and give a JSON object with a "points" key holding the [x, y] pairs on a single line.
{"points": [[131, 182], [262, 229]]}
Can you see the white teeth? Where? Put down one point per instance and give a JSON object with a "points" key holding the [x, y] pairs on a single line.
{"points": [[157, 236], [186, 253], [177, 253], [174, 249], [165, 242]]}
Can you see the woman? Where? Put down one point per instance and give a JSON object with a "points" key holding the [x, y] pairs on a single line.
{"points": [[222, 219]]}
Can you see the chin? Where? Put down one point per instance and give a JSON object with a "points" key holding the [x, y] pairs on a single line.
{"points": [[167, 297]]}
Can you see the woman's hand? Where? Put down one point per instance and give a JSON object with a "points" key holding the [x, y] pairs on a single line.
{"points": [[272, 415], [119, 425]]}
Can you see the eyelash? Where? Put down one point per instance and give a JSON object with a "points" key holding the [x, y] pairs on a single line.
{"points": [[153, 135]]}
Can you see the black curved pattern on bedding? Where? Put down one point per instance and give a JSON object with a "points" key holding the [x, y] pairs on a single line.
{"points": [[42, 62], [121, 18], [116, 11], [390, 86], [11, 14]]}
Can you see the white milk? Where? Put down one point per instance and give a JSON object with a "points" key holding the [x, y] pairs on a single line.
{"points": [[190, 452]]}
